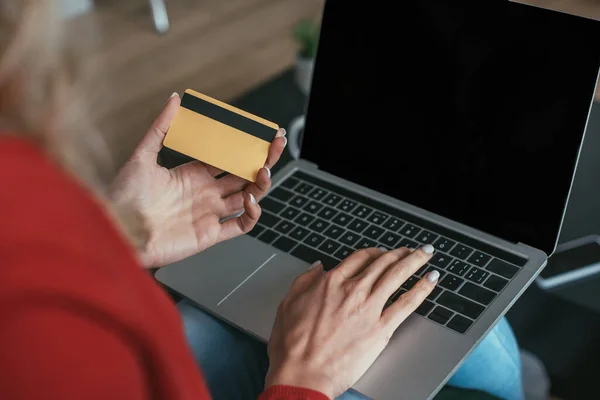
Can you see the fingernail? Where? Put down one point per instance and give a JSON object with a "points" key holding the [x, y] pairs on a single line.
{"points": [[283, 131], [411, 249], [314, 265], [427, 249], [252, 199], [433, 276], [285, 141], [268, 172], [383, 249], [173, 95]]}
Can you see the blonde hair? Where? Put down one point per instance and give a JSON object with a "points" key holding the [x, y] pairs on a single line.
{"points": [[42, 99]]}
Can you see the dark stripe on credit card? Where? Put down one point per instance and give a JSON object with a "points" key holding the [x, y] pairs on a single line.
{"points": [[227, 117]]}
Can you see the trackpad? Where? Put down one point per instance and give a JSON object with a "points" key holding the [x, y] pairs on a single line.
{"points": [[253, 304]]}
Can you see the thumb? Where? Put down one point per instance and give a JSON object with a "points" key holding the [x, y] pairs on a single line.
{"points": [[153, 141], [307, 279]]}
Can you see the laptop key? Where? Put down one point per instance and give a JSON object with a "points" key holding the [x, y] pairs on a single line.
{"points": [[377, 218], [443, 244], [342, 219], [411, 244], [317, 193], [313, 207], [299, 201], [477, 275], [349, 238], [477, 293], [299, 233], [365, 243], [327, 213], [451, 282], [460, 305], [343, 252], [409, 230], [425, 307], [458, 267], [440, 260], [333, 232], [257, 230], [284, 227], [357, 225], [390, 240], [329, 246], [495, 283], [373, 232], [347, 205], [332, 199], [314, 239], [393, 224], [502, 268], [290, 213], [459, 323], [427, 237], [479, 259], [362, 211], [304, 188], [461, 251], [435, 293], [282, 194], [304, 219], [268, 236], [319, 225], [309, 255], [290, 183], [284, 244], [269, 220], [440, 315], [272, 205]]}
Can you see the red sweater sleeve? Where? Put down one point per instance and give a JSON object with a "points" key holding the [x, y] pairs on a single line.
{"points": [[291, 393], [51, 351], [79, 318]]}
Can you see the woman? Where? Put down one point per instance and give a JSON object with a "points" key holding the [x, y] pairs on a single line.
{"points": [[82, 320]]}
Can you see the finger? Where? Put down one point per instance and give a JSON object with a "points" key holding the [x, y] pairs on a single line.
{"points": [[304, 281], [406, 304], [153, 141], [276, 149], [234, 201], [231, 184], [213, 171], [373, 272], [198, 167], [357, 262], [244, 223], [399, 272]]}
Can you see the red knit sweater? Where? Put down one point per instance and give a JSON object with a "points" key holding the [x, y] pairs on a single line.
{"points": [[79, 318]]}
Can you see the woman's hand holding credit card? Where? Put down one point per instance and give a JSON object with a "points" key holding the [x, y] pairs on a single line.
{"points": [[221, 135], [186, 209]]}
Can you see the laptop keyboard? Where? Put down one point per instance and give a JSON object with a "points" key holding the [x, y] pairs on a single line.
{"points": [[316, 220]]}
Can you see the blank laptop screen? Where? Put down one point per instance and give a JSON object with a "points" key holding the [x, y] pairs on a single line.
{"points": [[474, 110]]}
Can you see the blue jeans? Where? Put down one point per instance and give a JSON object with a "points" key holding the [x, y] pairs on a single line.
{"points": [[235, 364]]}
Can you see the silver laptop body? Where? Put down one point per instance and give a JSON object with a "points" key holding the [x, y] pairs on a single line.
{"points": [[242, 281]]}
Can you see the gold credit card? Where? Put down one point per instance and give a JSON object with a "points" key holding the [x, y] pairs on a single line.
{"points": [[220, 135]]}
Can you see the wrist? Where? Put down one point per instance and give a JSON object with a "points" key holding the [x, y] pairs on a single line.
{"points": [[300, 377]]}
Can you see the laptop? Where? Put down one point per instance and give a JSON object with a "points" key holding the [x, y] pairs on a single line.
{"points": [[451, 122]]}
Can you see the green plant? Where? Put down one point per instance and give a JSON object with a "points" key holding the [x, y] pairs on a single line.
{"points": [[306, 34]]}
